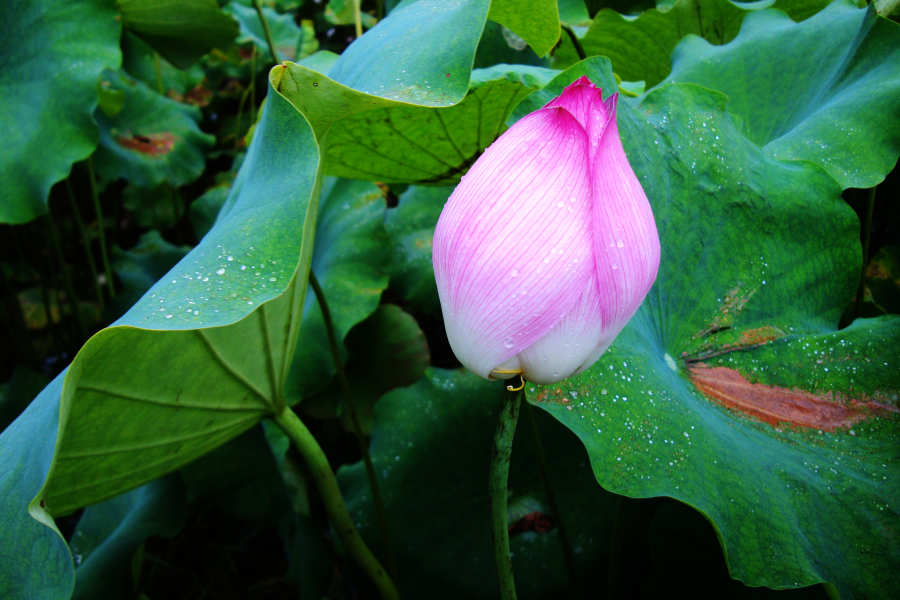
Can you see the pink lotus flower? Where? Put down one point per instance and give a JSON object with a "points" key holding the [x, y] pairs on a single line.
{"points": [[548, 246]]}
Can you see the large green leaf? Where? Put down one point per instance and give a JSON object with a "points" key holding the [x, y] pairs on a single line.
{"points": [[203, 356], [731, 389], [140, 268], [53, 52], [536, 21], [387, 61], [240, 478], [411, 228], [109, 534], [641, 49], [153, 139], [181, 31], [386, 351], [431, 447], [350, 260], [140, 61], [36, 561], [17, 393], [836, 104], [400, 143]]}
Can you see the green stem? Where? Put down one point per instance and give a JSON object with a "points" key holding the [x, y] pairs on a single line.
{"points": [[334, 503], [503, 440], [265, 26], [575, 41], [357, 17], [866, 235], [564, 539], [357, 426], [67, 281], [87, 244], [613, 591], [101, 234]]}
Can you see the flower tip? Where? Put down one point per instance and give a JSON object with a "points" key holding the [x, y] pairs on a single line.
{"points": [[584, 79]]}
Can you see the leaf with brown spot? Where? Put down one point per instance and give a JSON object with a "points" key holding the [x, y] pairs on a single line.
{"points": [[154, 144], [152, 140], [779, 406], [732, 389]]}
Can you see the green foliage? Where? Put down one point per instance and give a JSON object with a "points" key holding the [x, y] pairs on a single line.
{"points": [[640, 49], [350, 261], [431, 446], [799, 99], [109, 534], [182, 31], [53, 53], [228, 308], [738, 395], [733, 391], [36, 560], [411, 228], [292, 42], [152, 140]]}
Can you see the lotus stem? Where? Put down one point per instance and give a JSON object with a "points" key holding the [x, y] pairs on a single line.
{"points": [[327, 484], [67, 280], [265, 26], [357, 426], [87, 244], [101, 234], [564, 539], [575, 41], [503, 440], [357, 17]]}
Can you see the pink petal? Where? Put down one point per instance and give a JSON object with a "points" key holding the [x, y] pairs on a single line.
{"points": [[583, 99], [626, 243], [570, 346], [512, 249]]}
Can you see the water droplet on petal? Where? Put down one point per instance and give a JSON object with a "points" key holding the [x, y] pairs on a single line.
{"points": [[514, 272]]}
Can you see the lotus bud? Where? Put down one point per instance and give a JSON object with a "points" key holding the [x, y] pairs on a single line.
{"points": [[548, 245]]}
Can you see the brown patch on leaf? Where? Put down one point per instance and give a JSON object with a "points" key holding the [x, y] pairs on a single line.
{"points": [[732, 305], [774, 405], [154, 144], [199, 96], [749, 339], [533, 521], [878, 271]]}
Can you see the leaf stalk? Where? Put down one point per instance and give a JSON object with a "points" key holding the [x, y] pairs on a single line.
{"points": [[575, 41], [328, 487], [101, 235], [544, 468], [357, 426], [503, 439], [265, 26]]}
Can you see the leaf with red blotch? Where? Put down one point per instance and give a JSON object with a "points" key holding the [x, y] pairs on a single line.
{"points": [[152, 140], [732, 389]]}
